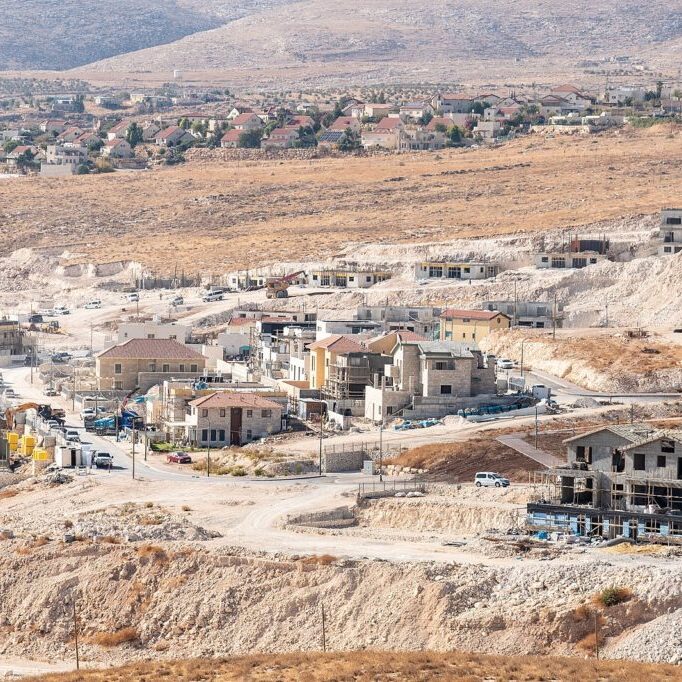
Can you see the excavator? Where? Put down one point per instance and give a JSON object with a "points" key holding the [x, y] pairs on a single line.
{"points": [[45, 411], [278, 287]]}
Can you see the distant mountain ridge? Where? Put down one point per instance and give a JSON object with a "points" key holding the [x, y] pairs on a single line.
{"points": [[382, 38], [63, 34]]}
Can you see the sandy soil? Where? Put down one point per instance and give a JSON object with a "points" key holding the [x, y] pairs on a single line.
{"points": [[243, 214]]}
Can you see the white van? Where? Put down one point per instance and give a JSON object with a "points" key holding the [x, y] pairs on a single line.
{"points": [[212, 296], [92, 305], [490, 478], [132, 298]]}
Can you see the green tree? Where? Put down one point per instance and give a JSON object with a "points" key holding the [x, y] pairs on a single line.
{"points": [[10, 146], [250, 139], [350, 140], [306, 137], [184, 123], [134, 134], [95, 145], [426, 118], [659, 90], [454, 135]]}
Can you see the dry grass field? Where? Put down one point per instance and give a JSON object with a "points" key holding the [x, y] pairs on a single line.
{"points": [[376, 666], [213, 216]]}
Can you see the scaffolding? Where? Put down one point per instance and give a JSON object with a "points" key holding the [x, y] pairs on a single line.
{"points": [[619, 491]]}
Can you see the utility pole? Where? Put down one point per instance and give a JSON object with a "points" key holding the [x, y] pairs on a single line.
{"points": [[554, 311], [133, 449], [75, 633], [381, 447], [91, 338], [73, 395], [321, 436], [144, 424], [324, 632], [208, 451], [596, 635], [536, 427]]}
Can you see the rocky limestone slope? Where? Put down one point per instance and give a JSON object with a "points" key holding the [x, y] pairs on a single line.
{"points": [[189, 602]]}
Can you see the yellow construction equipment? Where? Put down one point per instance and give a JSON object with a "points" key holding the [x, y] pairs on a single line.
{"points": [[278, 287]]}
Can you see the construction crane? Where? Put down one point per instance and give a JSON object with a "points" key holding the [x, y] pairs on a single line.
{"points": [[278, 287]]}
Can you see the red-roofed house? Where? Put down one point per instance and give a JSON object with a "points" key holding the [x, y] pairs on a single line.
{"points": [[281, 138], [248, 121], [226, 418], [117, 149], [386, 134], [118, 131], [302, 121], [142, 363], [69, 135], [324, 355], [230, 139], [87, 138], [172, 136], [344, 122], [471, 325]]}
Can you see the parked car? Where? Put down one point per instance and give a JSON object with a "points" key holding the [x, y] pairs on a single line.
{"points": [[103, 460], [87, 413], [35, 319], [72, 435], [179, 458], [49, 391], [132, 298], [490, 478], [61, 310], [91, 305], [212, 296], [505, 363], [177, 300]]}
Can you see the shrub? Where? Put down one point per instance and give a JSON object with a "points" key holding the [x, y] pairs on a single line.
{"points": [[111, 639], [68, 523], [238, 471], [153, 552], [319, 559], [612, 596], [4, 494], [186, 508]]}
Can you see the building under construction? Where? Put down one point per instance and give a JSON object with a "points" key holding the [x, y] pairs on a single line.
{"points": [[620, 481]]}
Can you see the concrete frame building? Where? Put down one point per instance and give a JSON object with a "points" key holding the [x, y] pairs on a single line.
{"points": [[621, 480]]}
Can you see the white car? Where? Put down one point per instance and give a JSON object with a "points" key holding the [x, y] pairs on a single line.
{"points": [[490, 478], [504, 363], [92, 305], [212, 296], [72, 435], [61, 310], [87, 412], [132, 298]]}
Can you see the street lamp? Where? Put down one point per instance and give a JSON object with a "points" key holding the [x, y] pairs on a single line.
{"points": [[522, 345]]}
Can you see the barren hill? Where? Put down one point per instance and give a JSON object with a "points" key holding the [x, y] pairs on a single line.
{"points": [[388, 40], [70, 33]]}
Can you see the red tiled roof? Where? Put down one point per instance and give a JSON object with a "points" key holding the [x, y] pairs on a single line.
{"points": [[241, 321], [442, 120], [245, 118], [389, 123], [171, 130], [151, 349], [343, 122], [228, 399], [454, 314], [337, 343], [232, 136]]}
